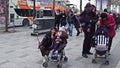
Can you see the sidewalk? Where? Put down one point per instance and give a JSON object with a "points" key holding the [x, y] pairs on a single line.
{"points": [[20, 50]]}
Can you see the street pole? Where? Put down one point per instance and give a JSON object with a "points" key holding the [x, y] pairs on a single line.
{"points": [[34, 10], [53, 9], [80, 6], [34, 14], [109, 4], [100, 5], [6, 14]]}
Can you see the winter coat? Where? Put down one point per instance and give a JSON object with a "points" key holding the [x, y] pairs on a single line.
{"points": [[76, 21], [110, 23], [63, 17], [118, 20], [88, 20], [47, 41], [57, 18], [70, 18]]}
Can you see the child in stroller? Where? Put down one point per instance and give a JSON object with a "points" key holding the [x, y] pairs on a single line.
{"points": [[58, 45], [101, 41], [56, 50]]}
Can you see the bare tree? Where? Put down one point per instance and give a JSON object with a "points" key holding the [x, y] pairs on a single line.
{"points": [[109, 4], [80, 6]]}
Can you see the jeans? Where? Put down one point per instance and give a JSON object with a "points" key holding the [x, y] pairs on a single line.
{"points": [[70, 29]]}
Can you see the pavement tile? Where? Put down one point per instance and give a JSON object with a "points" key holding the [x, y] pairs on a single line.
{"points": [[20, 50], [2, 62]]}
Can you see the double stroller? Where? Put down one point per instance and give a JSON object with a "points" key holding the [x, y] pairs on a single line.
{"points": [[100, 43]]}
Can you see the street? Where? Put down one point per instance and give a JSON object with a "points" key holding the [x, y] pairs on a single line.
{"points": [[20, 50]]}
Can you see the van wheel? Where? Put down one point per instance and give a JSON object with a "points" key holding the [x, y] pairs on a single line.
{"points": [[25, 22]]}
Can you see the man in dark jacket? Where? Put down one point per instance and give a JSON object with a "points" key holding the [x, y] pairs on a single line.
{"points": [[88, 19]]}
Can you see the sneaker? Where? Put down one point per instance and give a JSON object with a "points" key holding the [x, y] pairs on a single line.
{"points": [[85, 55], [89, 53]]}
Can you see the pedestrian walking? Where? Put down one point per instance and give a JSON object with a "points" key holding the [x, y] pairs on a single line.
{"points": [[108, 21], [117, 21], [57, 18], [77, 23], [88, 18], [63, 18], [70, 20]]}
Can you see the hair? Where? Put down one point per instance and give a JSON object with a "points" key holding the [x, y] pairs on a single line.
{"points": [[105, 10], [89, 7], [54, 28], [103, 15]]}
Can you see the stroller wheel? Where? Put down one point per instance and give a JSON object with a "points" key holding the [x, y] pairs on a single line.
{"points": [[45, 64], [59, 66], [107, 62], [65, 59], [94, 61]]}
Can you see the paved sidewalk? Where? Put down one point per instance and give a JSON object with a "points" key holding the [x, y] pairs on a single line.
{"points": [[20, 50]]}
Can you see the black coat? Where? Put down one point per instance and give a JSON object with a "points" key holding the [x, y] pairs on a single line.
{"points": [[88, 20], [63, 17], [57, 18], [76, 22], [47, 40]]}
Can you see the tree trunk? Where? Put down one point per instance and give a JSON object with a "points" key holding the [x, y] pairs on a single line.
{"points": [[6, 14], [80, 6], [109, 4], [101, 5]]}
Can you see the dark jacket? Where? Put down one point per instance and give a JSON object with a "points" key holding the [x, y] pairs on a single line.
{"points": [[76, 21], [63, 17], [88, 20], [57, 18], [47, 41], [70, 18]]}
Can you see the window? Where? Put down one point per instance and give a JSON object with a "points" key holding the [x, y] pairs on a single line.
{"points": [[12, 17], [47, 12], [24, 12]]}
